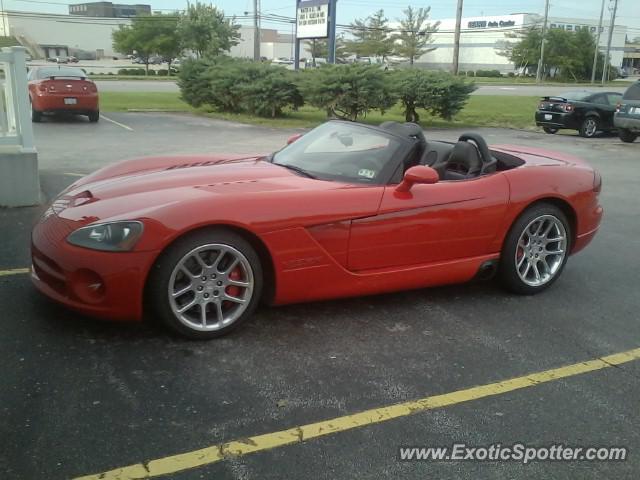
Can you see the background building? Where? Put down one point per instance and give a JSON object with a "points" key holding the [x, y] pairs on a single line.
{"points": [[52, 35], [482, 37], [109, 10]]}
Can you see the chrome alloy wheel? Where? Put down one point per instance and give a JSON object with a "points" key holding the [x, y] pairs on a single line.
{"points": [[210, 287], [541, 250], [590, 127]]}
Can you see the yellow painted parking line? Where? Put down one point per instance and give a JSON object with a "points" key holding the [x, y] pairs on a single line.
{"points": [[15, 271], [245, 446], [126, 127]]}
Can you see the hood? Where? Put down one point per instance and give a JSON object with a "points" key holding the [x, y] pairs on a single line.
{"points": [[141, 188], [223, 177]]}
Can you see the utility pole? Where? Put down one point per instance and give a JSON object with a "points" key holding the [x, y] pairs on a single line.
{"points": [[595, 54], [256, 31], [605, 68], [296, 42], [331, 44], [539, 73], [456, 44]]}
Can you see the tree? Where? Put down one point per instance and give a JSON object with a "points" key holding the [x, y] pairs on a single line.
{"points": [[139, 37], [440, 93], [319, 48], [371, 37], [168, 43], [415, 34], [347, 91], [568, 54], [205, 30]]}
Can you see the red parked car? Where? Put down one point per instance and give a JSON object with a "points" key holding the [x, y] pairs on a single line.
{"points": [[347, 209], [62, 90]]}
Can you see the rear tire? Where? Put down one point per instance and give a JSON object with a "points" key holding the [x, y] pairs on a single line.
{"points": [[226, 260], [627, 136], [528, 264], [550, 131], [94, 116], [589, 127]]}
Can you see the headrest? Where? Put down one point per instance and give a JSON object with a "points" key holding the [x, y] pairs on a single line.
{"points": [[409, 130]]}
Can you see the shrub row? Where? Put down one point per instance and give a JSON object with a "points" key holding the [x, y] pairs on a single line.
{"points": [[141, 72], [343, 91], [482, 73]]}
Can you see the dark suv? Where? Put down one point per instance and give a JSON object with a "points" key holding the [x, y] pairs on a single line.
{"points": [[627, 116]]}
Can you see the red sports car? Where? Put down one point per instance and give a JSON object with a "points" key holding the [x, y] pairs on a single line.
{"points": [[62, 90], [345, 210]]}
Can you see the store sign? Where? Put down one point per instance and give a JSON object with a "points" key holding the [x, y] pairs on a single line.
{"points": [[491, 24], [313, 19]]}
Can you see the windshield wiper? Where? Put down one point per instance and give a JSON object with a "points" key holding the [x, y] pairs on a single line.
{"points": [[299, 170]]}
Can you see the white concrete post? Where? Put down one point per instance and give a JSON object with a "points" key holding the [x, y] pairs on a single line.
{"points": [[21, 96], [19, 181]]}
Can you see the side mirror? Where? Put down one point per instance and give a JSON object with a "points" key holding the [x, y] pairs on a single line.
{"points": [[417, 174], [293, 138]]}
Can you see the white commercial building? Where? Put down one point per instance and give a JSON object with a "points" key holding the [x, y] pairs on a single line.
{"points": [[52, 35], [481, 40]]}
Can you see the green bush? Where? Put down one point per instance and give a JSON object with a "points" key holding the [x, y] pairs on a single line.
{"points": [[347, 91], [195, 85], [266, 90], [488, 73], [132, 71], [239, 86], [440, 93]]}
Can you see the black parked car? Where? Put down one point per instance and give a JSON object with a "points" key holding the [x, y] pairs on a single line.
{"points": [[627, 116], [587, 112]]}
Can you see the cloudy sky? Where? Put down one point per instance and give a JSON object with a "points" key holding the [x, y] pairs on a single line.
{"points": [[628, 10]]}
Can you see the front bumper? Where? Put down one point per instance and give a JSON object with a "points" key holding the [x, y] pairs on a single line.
{"points": [[101, 284], [555, 119]]}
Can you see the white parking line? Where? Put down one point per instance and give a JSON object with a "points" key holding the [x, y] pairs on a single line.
{"points": [[76, 174], [116, 123]]}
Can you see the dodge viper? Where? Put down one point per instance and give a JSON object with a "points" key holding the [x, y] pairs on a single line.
{"points": [[343, 210]]}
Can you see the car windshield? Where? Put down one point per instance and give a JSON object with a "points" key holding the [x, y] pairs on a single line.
{"points": [[60, 72], [340, 152], [578, 96], [633, 92]]}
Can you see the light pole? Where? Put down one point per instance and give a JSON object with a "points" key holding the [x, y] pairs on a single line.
{"points": [[605, 68], [456, 41], [597, 49], [539, 73]]}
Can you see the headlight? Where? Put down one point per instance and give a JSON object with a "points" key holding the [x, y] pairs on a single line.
{"points": [[111, 237]]}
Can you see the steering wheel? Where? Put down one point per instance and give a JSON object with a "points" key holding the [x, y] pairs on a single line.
{"points": [[483, 149]]}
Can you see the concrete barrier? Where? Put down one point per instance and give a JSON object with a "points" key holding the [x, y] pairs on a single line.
{"points": [[19, 181]]}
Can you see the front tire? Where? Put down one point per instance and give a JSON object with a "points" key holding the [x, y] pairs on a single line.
{"points": [[589, 127], [627, 136], [206, 284], [535, 250], [549, 130]]}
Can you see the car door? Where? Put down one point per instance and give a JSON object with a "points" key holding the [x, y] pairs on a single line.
{"points": [[430, 223]]}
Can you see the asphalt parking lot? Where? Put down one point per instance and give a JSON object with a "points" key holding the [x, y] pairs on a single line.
{"points": [[80, 396]]}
